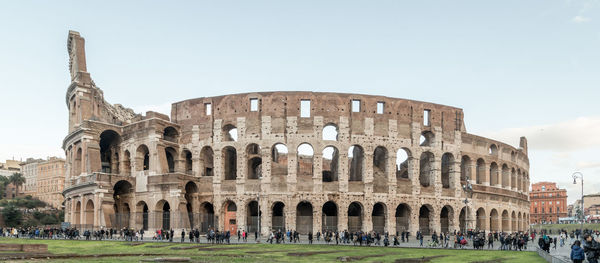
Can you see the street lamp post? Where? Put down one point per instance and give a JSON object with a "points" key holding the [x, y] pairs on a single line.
{"points": [[468, 188], [580, 176]]}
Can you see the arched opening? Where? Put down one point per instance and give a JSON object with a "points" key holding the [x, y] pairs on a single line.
{"points": [[446, 216], [278, 217], [330, 132], [187, 156], [230, 133], [89, 214], [447, 169], [424, 220], [355, 217], [207, 217], [465, 169], [77, 214], [305, 160], [493, 150], [426, 138], [230, 163], [126, 163], [402, 156], [513, 178], [279, 161], [252, 217], [170, 134], [356, 160], [505, 175], [166, 216], [142, 210], [191, 193], [254, 163], [378, 217], [109, 151], [170, 153], [480, 170], [481, 219], [494, 174], [207, 161], [304, 217], [505, 221], [402, 218], [513, 222], [380, 179], [426, 164], [330, 216], [230, 211], [494, 222], [122, 197], [142, 158], [330, 164], [77, 167], [520, 222]]}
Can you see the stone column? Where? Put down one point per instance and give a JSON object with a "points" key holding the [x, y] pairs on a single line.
{"points": [[317, 217]]}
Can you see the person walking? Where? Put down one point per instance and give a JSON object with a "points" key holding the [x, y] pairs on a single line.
{"points": [[310, 237], [577, 253], [591, 249]]}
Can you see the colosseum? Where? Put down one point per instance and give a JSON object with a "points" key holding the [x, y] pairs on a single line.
{"points": [[307, 161]]}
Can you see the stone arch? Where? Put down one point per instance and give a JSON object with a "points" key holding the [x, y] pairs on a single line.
{"points": [[493, 150], [494, 174], [207, 161], [254, 161], [426, 165], [230, 216], [446, 218], [465, 168], [380, 179], [186, 156], [425, 219], [356, 162], [304, 217], [355, 216], [141, 209], [519, 222], [505, 221], [279, 160], [403, 156], [171, 157], [252, 216], [481, 219], [191, 193], [330, 132], [462, 219], [330, 165], [142, 158], [480, 171], [505, 176], [110, 142], [207, 217], [230, 133], [447, 170], [494, 220], [513, 178], [229, 163], [77, 213], [122, 197], [278, 216], [330, 216], [304, 160], [379, 217], [513, 222], [403, 215], [77, 163], [164, 209], [126, 163], [170, 134], [89, 213]]}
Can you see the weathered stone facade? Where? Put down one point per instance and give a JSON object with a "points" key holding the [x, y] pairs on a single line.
{"points": [[308, 161]]}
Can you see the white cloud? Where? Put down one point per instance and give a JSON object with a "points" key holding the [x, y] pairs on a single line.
{"points": [[581, 19], [573, 135]]}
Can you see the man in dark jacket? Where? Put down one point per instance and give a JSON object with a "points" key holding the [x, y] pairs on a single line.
{"points": [[591, 248]]}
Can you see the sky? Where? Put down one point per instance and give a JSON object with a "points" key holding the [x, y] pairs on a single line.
{"points": [[516, 68]]}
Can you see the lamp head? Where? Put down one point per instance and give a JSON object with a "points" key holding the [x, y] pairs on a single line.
{"points": [[574, 180]]}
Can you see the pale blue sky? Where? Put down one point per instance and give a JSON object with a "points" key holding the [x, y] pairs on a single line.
{"points": [[516, 67]]}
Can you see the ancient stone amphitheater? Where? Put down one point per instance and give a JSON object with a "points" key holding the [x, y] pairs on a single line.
{"points": [[285, 160]]}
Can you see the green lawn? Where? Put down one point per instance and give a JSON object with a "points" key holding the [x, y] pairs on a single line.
{"points": [[267, 253]]}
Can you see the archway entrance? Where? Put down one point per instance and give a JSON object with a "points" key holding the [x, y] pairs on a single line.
{"points": [[277, 217], [252, 217], [378, 218], [304, 216], [402, 218], [207, 218], [166, 216], [355, 217], [446, 219], [330, 216], [424, 219], [230, 217]]}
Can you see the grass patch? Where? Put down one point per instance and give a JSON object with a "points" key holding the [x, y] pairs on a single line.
{"points": [[93, 251]]}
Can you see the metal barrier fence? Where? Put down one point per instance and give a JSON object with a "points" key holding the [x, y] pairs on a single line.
{"points": [[550, 258]]}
